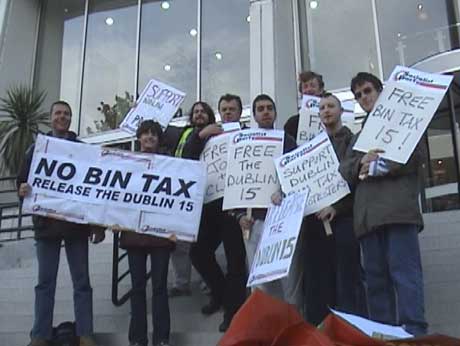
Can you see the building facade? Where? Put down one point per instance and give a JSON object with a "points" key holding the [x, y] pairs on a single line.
{"points": [[99, 54]]}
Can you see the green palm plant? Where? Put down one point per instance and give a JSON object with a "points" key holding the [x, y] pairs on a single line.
{"points": [[21, 117]]}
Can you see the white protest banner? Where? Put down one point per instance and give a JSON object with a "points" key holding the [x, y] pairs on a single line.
{"points": [[276, 246], [309, 120], [148, 193], [158, 101], [251, 177], [314, 168], [402, 113], [214, 156]]}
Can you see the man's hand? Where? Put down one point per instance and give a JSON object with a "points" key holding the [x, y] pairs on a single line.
{"points": [[277, 197], [24, 190], [246, 222], [372, 155], [97, 235], [327, 214], [210, 130]]}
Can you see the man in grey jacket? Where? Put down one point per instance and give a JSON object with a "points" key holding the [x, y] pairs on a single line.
{"points": [[387, 220]]}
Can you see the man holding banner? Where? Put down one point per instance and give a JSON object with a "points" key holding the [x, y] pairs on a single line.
{"points": [[49, 234], [219, 227], [386, 213], [264, 112]]}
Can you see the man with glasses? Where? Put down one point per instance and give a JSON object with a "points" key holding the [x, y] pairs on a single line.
{"points": [[387, 220]]}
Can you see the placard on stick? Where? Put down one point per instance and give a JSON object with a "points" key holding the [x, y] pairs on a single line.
{"points": [[158, 101], [251, 177], [314, 168], [402, 113]]}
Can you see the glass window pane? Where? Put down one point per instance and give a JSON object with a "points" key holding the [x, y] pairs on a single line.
{"points": [[225, 50], [341, 40], [441, 180], [415, 30], [168, 49], [109, 64], [59, 52]]}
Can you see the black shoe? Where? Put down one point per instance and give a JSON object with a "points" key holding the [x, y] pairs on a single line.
{"points": [[224, 325], [212, 307]]}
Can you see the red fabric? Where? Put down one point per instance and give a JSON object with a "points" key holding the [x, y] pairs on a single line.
{"points": [[259, 321]]}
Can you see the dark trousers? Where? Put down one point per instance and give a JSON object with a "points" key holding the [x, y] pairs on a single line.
{"points": [[394, 278], [350, 293], [319, 270], [218, 227], [159, 258]]}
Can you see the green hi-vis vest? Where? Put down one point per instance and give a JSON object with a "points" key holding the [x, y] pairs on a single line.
{"points": [[182, 140]]}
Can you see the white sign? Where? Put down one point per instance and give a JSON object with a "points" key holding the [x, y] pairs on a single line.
{"points": [[314, 168], [251, 177], [214, 156], [148, 193], [278, 241], [158, 102], [309, 120], [402, 113]]}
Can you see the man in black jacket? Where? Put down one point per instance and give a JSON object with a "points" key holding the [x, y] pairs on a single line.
{"points": [[217, 226], [387, 220], [49, 234]]}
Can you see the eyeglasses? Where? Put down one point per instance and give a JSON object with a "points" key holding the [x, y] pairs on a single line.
{"points": [[366, 91]]}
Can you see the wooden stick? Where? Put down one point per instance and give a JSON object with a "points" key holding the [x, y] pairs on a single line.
{"points": [[327, 227], [247, 231]]}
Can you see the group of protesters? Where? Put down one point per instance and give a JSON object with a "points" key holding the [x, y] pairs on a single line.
{"points": [[370, 266]]}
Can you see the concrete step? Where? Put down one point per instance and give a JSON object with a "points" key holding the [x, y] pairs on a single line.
{"points": [[192, 321], [121, 339]]}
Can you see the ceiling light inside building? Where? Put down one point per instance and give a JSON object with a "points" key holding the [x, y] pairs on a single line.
{"points": [[313, 4], [193, 32], [66, 10], [248, 19], [167, 67], [218, 55], [109, 21], [165, 5], [420, 7]]}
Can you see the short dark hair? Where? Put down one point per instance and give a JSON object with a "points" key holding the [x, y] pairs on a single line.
{"points": [[208, 110], [328, 94], [228, 98], [149, 126], [262, 97], [363, 77], [62, 103], [306, 76]]}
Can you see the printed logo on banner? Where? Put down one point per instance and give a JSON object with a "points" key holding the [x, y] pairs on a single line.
{"points": [[407, 76]]}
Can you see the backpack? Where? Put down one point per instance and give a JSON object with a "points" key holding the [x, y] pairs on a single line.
{"points": [[65, 335]]}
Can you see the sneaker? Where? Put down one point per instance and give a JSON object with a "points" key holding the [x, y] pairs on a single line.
{"points": [[38, 342], [179, 292], [87, 341]]}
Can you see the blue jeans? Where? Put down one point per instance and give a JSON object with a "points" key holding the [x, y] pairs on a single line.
{"points": [[393, 269], [350, 294], [159, 258], [48, 250]]}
